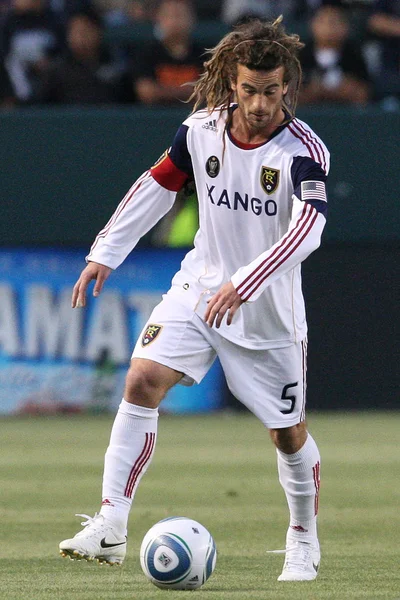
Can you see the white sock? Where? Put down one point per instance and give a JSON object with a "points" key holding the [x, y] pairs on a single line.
{"points": [[131, 448], [299, 475]]}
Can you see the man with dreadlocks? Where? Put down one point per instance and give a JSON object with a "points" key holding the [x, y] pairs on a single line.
{"points": [[260, 175]]}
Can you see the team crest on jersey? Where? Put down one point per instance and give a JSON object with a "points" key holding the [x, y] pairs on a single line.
{"points": [[269, 179], [150, 334], [212, 166]]}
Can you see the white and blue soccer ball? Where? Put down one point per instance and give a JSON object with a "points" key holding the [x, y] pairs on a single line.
{"points": [[178, 553]]}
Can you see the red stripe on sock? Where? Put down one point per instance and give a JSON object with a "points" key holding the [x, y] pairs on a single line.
{"points": [[144, 450], [317, 483], [142, 465], [139, 465]]}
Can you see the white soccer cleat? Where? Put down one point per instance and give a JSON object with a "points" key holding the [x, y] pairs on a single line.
{"points": [[302, 559], [98, 540]]}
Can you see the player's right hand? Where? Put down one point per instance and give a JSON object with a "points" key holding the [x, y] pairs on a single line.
{"points": [[92, 271]]}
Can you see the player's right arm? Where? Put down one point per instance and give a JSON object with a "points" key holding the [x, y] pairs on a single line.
{"points": [[93, 271], [147, 201]]}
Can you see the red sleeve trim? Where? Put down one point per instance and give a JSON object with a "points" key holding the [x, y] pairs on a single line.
{"points": [[168, 175]]}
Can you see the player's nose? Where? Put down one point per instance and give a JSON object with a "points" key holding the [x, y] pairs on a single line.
{"points": [[259, 104]]}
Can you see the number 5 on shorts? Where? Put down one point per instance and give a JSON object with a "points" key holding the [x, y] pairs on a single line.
{"points": [[292, 399]]}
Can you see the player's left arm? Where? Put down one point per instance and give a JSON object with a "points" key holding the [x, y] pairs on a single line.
{"points": [[307, 222], [225, 301]]}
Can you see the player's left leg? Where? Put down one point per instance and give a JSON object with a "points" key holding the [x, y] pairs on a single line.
{"points": [[272, 383], [299, 474]]}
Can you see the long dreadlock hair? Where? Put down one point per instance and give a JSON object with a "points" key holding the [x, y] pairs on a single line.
{"points": [[258, 45]]}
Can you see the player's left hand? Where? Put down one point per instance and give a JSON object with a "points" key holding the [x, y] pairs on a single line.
{"points": [[226, 299]]}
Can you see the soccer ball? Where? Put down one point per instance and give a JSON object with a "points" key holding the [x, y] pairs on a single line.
{"points": [[178, 553]]}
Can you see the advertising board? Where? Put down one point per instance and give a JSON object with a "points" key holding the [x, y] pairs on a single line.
{"points": [[57, 359]]}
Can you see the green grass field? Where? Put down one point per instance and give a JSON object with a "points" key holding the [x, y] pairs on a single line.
{"points": [[219, 470]]}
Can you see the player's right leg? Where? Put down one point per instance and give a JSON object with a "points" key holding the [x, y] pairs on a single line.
{"points": [[131, 448], [171, 345]]}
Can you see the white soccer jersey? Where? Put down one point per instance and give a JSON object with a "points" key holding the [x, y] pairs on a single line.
{"points": [[261, 213]]}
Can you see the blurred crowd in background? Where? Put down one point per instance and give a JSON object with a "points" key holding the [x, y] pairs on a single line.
{"points": [[105, 52]]}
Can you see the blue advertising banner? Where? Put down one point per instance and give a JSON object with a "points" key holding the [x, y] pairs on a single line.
{"points": [[57, 359]]}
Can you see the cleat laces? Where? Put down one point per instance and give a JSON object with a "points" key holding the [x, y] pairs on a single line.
{"points": [[298, 556], [96, 522], [89, 520]]}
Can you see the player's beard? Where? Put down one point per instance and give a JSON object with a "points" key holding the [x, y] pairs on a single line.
{"points": [[264, 121]]}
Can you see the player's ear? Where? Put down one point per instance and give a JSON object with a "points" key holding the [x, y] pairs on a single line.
{"points": [[285, 87], [233, 76]]}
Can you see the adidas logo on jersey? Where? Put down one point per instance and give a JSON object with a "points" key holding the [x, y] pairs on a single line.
{"points": [[211, 125]]}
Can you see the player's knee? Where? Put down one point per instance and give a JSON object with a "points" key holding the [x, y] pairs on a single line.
{"points": [[142, 388], [145, 385], [289, 439]]}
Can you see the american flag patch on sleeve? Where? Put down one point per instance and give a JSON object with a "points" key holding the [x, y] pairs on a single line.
{"points": [[313, 190]]}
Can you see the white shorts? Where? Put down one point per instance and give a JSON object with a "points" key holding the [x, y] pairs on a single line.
{"points": [[271, 383]]}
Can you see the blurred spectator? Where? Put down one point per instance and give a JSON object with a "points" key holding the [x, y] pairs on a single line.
{"points": [[121, 12], [5, 6], [86, 74], [209, 10], [385, 24], [7, 97], [30, 38], [63, 9], [334, 70], [308, 7], [358, 9], [237, 11], [172, 59]]}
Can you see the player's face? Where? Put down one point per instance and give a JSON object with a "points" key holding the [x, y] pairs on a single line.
{"points": [[259, 95]]}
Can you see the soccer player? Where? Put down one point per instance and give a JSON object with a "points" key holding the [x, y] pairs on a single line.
{"points": [[260, 175]]}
